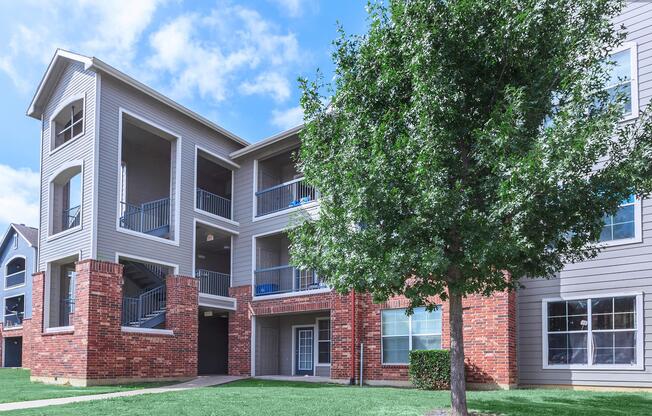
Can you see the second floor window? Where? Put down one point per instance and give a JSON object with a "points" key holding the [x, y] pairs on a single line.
{"points": [[621, 225], [15, 272], [68, 123], [622, 79]]}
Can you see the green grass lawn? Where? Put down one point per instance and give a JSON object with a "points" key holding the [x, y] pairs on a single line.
{"points": [[267, 398], [16, 387]]}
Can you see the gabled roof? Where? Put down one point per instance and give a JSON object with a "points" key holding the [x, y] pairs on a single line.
{"points": [[29, 234], [58, 64], [266, 142]]}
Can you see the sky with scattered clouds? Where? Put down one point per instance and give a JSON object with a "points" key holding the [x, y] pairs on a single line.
{"points": [[235, 62]]}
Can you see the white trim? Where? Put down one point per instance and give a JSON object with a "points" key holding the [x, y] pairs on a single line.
{"points": [[174, 181], [330, 341], [219, 227], [120, 255], [4, 271], [46, 283], [213, 216], [206, 296], [58, 329], [96, 165], [291, 294], [252, 346], [294, 336], [640, 341], [307, 207], [633, 47], [147, 331], [254, 203], [65, 166], [638, 228], [4, 307], [231, 164], [53, 131], [266, 142]]}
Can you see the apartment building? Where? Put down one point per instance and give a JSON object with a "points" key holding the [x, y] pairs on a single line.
{"points": [[164, 254], [18, 249]]}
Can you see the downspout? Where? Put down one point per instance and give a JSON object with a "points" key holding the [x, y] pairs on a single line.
{"points": [[352, 379]]}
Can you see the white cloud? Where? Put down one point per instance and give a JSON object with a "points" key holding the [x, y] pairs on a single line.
{"points": [[109, 29], [210, 54], [293, 8], [19, 190], [286, 119], [271, 83]]}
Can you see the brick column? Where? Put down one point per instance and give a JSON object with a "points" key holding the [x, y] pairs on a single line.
{"points": [[240, 332], [182, 318], [341, 337]]}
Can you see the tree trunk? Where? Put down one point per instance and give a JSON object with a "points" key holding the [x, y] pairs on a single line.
{"points": [[458, 382]]}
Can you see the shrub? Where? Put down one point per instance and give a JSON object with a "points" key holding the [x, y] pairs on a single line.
{"points": [[430, 370]]}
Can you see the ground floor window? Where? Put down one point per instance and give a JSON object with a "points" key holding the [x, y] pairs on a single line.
{"points": [[402, 333], [324, 341], [593, 331]]}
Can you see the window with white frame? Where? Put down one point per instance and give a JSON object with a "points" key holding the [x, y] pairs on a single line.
{"points": [[622, 78], [402, 333], [15, 241], [594, 331], [621, 225], [324, 341], [68, 124], [15, 272]]}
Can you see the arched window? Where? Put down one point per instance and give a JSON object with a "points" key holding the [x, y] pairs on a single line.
{"points": [[15, 272], [68, 123], [66, 199]]}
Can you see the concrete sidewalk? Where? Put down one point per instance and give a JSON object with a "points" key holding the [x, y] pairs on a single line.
{"points": [[202, 381]]}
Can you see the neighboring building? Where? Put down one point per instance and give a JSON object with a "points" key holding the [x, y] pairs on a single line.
{"points": [[164, 253], [18, 252]]}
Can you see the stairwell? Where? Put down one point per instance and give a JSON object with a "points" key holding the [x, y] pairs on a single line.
{"points": [[146, 309]]}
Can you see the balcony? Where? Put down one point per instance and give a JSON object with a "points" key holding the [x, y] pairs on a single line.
{"points": [[213, 283], [281, 197], [285, 279], [70, 218], [15, 279], [13, 320], [215, 204], [151, 218]]}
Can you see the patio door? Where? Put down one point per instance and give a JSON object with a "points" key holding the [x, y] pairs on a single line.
{"points": [[304, 346]]}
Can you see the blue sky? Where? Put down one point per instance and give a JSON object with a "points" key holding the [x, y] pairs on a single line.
{"points": [[235, 62]]}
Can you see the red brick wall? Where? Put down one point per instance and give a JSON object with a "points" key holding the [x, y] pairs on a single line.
{"points": [[98, 351], [489, 330], [24, 333]]}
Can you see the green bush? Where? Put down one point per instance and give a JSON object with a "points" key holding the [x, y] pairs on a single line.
{"points": [[430, 370]]}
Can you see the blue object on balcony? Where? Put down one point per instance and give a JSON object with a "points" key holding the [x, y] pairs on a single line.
{"points": [[294, 203], [266, 289], [305, 200]]}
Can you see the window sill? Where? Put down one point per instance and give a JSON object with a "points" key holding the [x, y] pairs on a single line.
{"points": [[12, 328], [147, 331], [66, 144], [15, 286], [597, 367], [618, 243], [61, 234], [396, 365], [59, 330]]}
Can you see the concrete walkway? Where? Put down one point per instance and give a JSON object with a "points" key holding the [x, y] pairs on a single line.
{"points": [[202, 381]]}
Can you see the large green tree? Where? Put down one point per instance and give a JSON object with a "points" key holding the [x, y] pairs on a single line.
{"points": [[464, 145]]}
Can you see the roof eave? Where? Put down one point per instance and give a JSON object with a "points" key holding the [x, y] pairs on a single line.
{"points": [[266, 142]]}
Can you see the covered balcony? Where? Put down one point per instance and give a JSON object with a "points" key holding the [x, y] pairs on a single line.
{"points": [[61, 293], [214, 186], [274, 274], [14, 312], [146, 179], [280, 186], [212, 260]]}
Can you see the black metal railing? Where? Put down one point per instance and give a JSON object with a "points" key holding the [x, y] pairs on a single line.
{"points": [[285, 279], [146, 217], [215, 204], [213, 283], [284, 196], [136, 311], [70, 218]]}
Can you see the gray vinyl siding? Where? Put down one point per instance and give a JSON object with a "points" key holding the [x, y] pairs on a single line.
{"points": [[115, 95], [73, 81], [8, 253], [618, 269]]}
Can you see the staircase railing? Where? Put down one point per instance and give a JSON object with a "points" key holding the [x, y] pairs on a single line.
{"points": [[213, 283], [150, 303], [284, 196], [145, 217], [215, 204]]}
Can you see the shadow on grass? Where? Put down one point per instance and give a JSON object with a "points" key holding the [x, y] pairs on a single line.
{"points": [[583, 403], [257, 383]]}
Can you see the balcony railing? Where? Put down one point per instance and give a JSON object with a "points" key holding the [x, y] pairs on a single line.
{"points": [[15, 279], [284, 196], [213, 283], [151, 303], [215, 204], [13, 320], [70, 218], [285, 279], [148, 218]]}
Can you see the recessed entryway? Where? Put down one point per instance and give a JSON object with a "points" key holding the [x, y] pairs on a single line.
{"points": [[13, 352], [213, 344]]}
